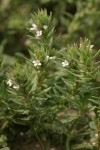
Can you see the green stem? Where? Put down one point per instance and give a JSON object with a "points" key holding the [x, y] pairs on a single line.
{"points": [[40, 142], [47, 147], [68, 143], [4, 126]]}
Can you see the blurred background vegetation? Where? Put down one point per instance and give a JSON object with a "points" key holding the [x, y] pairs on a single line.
{"points": [[75, 19]]}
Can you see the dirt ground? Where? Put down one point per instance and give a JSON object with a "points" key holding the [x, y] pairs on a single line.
{"points": [[23, 143]]}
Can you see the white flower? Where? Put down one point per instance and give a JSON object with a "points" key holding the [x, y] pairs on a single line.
{"points": [[16, 87], [9, 82], [48, 57], [36, 63], [52, 57], [38, 33], [45, 27], [65, 63], [91, 46], [34, 27]]}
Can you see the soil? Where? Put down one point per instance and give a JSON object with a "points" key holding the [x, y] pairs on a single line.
{"points": [[20, 140], [23, 142], [30, 145]]}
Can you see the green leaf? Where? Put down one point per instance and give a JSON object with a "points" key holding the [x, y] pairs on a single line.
{"points": [[96, 54], [82, 146], [5, 148], [92, 125], [45, 90]]}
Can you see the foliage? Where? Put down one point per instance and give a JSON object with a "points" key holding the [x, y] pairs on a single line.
{"points": [[54, 92]]}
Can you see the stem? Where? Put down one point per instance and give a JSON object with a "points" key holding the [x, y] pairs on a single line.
{"points": [[68, 143], [40, 142], [4, 126], [74, 124], [47, 147], [82, 129]]}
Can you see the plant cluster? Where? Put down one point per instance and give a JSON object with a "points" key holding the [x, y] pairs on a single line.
{"points": [[53, 92]]}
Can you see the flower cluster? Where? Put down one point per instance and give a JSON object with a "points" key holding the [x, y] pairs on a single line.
{"points": [[10, 84], [36, 63], [50, 58], [38, 31], [90, 47], [65, 63], [34, 27]]}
